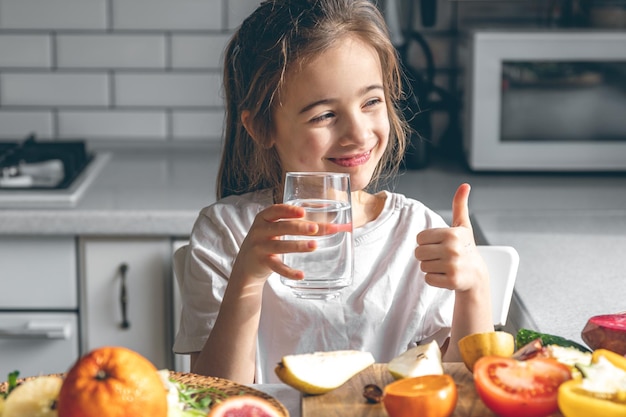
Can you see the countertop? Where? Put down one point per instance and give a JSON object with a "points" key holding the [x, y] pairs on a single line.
{"points": [[569, 229]]}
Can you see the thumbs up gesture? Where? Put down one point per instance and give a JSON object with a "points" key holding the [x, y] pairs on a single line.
{"points": [[449, 256]]}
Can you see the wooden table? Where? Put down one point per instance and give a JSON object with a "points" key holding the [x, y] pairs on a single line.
{"points": [[348, 401]]}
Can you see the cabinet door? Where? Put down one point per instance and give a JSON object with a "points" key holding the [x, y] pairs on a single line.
{"points": [[126, 300], [37, 343], [38, 273]]}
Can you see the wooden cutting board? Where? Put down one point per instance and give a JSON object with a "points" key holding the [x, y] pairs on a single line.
{"points": [[348, 401]]}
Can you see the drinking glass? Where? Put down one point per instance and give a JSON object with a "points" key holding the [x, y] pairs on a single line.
{"points": [[325, 196]]}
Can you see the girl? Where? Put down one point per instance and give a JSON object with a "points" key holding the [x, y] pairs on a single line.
{"points": [[313, 85]]}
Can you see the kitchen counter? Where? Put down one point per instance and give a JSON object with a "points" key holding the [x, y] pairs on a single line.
{"points": [[569, 229], [142, 192], [572, 265]]}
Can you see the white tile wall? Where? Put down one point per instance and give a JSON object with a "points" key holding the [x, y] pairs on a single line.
{"points": [[148, 69], [17, 124], [37, 89], [25, 51], [115, 70], [110, 51], [53, 14], [142, 125]]}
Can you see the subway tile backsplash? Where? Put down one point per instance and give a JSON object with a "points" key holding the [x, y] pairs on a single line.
{"points": [[119, 71], [149, 71]]}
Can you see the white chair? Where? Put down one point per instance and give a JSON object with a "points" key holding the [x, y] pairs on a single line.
{"points": [[502, 263]]}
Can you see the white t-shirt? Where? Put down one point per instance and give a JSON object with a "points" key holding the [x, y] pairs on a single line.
{"points": [[387, 309]]}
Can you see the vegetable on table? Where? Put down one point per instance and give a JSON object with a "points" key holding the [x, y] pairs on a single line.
{"points": [[512, 388], [601, 391], [525, 336], [607, 331]]}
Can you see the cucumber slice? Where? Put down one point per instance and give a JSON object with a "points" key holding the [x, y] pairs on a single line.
{"points": [[525, 336]]}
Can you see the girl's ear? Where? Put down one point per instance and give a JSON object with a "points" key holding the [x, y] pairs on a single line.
{"points": [[246, 121]]}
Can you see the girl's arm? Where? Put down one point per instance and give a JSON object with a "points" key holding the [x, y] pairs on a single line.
{"points": [[450, 259], [230, 350]]}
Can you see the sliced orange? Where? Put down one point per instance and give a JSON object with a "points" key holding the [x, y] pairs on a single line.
{"points": [[428, 395]]}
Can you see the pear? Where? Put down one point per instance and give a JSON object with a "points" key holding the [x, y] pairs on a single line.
{"points": [[321, 372], [418, 361], [34, 398]]}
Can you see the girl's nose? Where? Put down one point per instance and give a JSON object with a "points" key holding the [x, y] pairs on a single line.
{"points": [[355, 130]]}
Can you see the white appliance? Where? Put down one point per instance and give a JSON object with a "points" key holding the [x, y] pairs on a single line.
{"points": [[545, 101]]}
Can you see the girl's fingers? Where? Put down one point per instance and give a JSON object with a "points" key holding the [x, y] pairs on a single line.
{"points": [[283, 270], [280, 247]]}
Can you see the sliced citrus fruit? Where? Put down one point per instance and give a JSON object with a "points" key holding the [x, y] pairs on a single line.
{"points": [[417, 361], [428, 395], [320, 372], [477, 345], [244, 405], [34, 398]]}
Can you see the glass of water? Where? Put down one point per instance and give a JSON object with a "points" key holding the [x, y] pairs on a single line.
{"points": [[325, 197]]}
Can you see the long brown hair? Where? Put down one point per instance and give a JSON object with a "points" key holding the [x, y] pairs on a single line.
{"points": [[276, 36]]}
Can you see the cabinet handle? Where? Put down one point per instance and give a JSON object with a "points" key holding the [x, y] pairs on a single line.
{"points": [[37, 330], [124, 296]]}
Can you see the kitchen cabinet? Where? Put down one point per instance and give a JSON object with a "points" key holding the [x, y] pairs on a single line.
{"points": [[181, 362], [126, 286], [39, 330]]}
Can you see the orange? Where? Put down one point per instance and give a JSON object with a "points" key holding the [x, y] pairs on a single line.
{"points": [[112, 382], [428, 395]]}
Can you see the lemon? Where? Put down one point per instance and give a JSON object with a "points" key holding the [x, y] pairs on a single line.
{"points": [[320, 372], [33, 398], [418, 361], [477, 345]]}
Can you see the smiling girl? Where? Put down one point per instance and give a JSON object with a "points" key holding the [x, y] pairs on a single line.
{"points": [[314, 85]]}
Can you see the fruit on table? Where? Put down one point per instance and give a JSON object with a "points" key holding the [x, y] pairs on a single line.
{"points": [[474, 346], [512, 388], [33, 398], [427, 395], [601, 392], [320, 372], [112, 382], [417, 361], [606, 331], [525, 336], [244, 405]]}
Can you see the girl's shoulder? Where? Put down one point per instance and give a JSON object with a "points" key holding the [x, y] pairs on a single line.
{"points": [[400, 202], [235, 209]]}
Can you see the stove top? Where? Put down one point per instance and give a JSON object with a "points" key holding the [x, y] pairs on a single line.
{"points": [[41, 165], [38, 174]]}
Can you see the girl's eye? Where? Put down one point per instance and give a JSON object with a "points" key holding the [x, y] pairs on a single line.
{"points": [[373, 102], [322, 117]]}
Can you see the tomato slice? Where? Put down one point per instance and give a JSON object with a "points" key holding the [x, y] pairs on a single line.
{"points": [[512, 388]]}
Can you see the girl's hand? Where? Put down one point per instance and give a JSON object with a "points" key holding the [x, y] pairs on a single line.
{"points": [[449, 256], [260, 251]]}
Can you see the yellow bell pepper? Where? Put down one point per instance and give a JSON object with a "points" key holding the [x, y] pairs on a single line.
{"points": [[615, 358], [574, 401]]}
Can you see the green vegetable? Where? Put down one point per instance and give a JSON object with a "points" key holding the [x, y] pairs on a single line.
{"points": [[197, 401], [525, 336], [12, 383]]}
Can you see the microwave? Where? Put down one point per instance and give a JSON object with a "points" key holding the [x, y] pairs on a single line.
{"points": [[545, 101]]}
